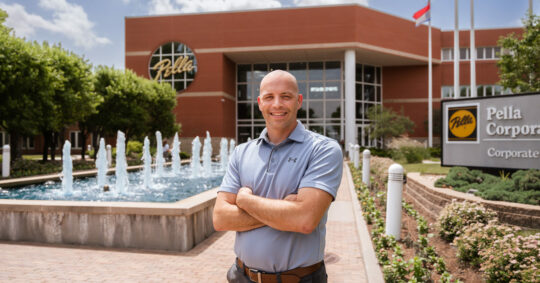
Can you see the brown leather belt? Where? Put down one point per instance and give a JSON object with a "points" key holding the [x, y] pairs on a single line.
{"points": [[290, 276]]}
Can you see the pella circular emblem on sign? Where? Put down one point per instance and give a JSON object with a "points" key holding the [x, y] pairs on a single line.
{"points": [[462, 124], [174, 63]]}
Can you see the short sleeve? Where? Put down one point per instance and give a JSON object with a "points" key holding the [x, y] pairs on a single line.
{"points": [[324, 169], [231, 180]]}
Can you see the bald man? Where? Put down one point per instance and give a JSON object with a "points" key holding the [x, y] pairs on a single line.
{"points": [[277, 191]]}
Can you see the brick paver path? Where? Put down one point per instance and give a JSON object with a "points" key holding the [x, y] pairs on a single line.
{"points": [[207, 262]]}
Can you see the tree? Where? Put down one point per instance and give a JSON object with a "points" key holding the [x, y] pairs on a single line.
{"points": [[25, 88], [386, 123], [73, 98], [519, 66], [162, 100]]}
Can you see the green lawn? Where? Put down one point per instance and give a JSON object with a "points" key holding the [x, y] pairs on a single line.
{"points": [[426, 168]]}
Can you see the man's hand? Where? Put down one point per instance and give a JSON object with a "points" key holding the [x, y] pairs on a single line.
{"points": [[243, 195]]}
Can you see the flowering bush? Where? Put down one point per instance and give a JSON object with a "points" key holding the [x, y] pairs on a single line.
{"points": [[477, 237], [456, 216], [512, 259]]}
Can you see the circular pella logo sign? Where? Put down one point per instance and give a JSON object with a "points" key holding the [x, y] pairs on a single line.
{"points": [[173, 63], [462, 124]]}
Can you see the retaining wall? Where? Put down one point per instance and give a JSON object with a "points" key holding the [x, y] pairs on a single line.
{"points": [[175, 226], [431, 200]]}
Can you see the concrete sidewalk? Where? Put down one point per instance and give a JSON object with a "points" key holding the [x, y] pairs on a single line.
{"points": [[349, 255]]}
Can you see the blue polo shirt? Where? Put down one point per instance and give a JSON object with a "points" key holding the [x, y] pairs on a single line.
{"points": [[304, 159]]}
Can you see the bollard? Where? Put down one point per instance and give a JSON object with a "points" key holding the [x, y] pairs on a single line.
{"points": [[356, 156], [6, 158], [366, 156], [351, 152], [393, 200], [109, 156]]}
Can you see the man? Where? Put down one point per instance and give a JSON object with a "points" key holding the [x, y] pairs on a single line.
{"points": [[277, 191]]}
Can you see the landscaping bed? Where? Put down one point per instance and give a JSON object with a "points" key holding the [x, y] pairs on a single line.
{"points": [[422, 254]]}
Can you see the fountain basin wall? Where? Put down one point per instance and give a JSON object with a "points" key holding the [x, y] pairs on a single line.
{"points": [[177, 226]]}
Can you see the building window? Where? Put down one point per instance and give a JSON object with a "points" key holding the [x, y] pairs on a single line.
{"points": [[27, 142], [75, 138], [482, 53], [481, 90], [321, 84], [368, 95], [173, 53]]}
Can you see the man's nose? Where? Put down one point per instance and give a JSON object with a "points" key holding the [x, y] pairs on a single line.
{"points": [[277, 101]]}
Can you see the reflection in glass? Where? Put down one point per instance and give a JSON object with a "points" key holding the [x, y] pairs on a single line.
{"points": [[369, 93], [257, 112], [379, 94], [333, 131], [243, 71], [333, 90], [299, 70], [358, 72], [302, 112], [259, 71], [257, 131], [379, 77], [316, 109], [302, 89], [179, 48], [333, 110], [359, 111], [369, 74], [367, 108], [278, 66], [315, 71], [244, 110], [316, 91], [242, 92], [333, 71], [166, 48], [317, 129], [359, 92], [243, 134]]}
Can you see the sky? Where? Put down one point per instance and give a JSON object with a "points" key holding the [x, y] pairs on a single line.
{"points": [[94, 29]]}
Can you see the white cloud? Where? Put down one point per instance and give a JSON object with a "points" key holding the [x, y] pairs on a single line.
{"points": [[68, 19], [329, 2], [191, 6]]}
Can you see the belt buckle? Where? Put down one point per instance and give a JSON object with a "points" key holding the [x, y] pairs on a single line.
{"points": [[259, 277]]}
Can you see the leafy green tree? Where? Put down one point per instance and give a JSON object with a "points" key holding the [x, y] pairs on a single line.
{"points": [[73, 98], [25, 88], [161, 103], [519, 66], [386, 123]]}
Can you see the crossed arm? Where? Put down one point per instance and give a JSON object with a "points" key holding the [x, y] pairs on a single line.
{"points": [[245, 211]]}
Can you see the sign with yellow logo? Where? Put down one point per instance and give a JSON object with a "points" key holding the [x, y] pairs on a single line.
{"points": [[173, 63], [462, 123]]}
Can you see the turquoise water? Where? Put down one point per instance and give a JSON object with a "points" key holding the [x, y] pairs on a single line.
{"points": [[169, 188]]}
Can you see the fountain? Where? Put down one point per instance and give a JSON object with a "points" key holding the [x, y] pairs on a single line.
{"points": [[67, 171], [102, 164], [176, 163], [232, 145], [159, 155], [86, 214], [207, 155], [223, 153], [195, 157], [122, 181], [147, 168]]}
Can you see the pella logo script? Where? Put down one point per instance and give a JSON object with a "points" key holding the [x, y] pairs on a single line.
{"points": [[462, 123]]}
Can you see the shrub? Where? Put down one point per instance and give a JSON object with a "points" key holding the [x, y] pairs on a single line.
{"points": [[478, 237], [512, 259], [134, 147], [434, 152], [525, 180], [410, 150], [456, 216]]}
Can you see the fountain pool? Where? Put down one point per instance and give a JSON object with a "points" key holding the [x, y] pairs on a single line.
{"points": [[167, 188]]}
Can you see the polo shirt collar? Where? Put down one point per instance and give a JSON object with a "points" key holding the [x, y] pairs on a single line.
{"points": [[297, 135]]}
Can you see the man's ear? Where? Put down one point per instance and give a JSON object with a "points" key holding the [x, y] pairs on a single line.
{"points": [[300, 99]]}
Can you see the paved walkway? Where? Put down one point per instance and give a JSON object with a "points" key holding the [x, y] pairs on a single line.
{"points": [[207, 262]]}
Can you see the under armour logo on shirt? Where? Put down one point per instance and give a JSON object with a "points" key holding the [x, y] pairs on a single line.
{"points": [[292, 159]]}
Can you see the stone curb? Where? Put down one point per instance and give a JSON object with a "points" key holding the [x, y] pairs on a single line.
{"points": [[371, 264]]}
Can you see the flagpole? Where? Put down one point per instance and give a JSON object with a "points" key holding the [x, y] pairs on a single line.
{"points": [[456, 51], [473, 54], [430, 86]]}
